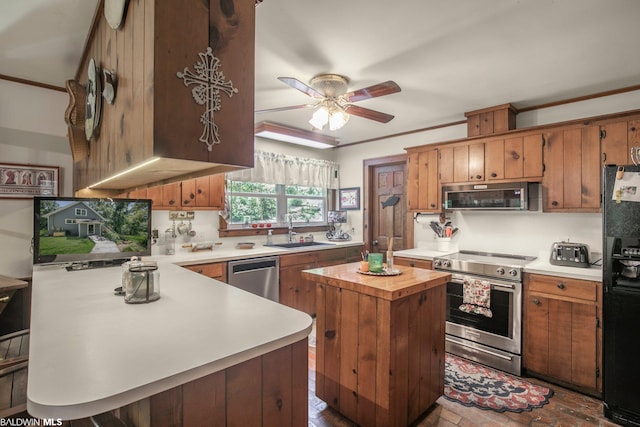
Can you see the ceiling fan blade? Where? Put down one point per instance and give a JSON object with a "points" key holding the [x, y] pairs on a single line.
{"points": [[374, 91], [302, 87], [292, 107], [368, 113]]}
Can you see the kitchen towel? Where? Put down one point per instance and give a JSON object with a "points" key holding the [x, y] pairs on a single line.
{"points": [[476, 297]]}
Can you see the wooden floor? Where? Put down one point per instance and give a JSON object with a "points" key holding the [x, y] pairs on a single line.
{"points": [[565, 408]]}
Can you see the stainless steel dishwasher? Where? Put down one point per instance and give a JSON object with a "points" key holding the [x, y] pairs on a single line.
{"points": [[256, 275]]}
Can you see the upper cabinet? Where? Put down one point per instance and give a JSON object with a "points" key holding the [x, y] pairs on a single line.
{"points": [[618, 139], [571, 179], [185, 94], [423, 186]]}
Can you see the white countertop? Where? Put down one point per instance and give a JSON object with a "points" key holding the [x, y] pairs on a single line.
{"points": [[538, 266], [90, 352], [420, 253], [542, 266], [228, 252]]}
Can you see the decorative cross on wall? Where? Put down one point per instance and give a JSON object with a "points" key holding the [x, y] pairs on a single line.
{"points": [[210, 81]]}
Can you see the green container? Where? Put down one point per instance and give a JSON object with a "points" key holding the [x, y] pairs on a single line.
{"points": [[375, 263]]}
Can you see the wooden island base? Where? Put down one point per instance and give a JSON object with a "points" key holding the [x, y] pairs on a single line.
{"points": [[269, 390], [380, 342]]}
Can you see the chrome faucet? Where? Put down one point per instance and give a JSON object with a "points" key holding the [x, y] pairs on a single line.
{"points": [[291, 232]]}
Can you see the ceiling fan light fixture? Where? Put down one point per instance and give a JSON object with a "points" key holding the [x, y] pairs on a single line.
{"points": [[320, 118], [337, 119]]}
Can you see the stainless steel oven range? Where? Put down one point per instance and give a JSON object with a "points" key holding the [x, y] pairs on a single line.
{"points": [[491, 332]]}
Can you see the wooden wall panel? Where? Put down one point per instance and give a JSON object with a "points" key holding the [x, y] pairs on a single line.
{"points": [[204, 401], [276, 388], [367, 360], [269, 391], [154, 113]]}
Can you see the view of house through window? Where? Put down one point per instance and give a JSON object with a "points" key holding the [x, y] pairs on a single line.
{"points": [[254, 202]]}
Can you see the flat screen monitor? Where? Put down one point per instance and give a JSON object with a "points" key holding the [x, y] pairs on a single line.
{"points": [[337, 216], [71, 229]]}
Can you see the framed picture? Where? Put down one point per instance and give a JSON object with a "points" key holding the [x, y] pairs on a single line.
{"points": [[25, 181], [349, 198]]}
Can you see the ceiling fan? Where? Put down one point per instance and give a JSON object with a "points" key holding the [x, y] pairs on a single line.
{"points": [[334, 102]]}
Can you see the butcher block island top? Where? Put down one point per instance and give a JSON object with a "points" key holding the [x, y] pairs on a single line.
{"points": [[408, 282], [380, 342]]}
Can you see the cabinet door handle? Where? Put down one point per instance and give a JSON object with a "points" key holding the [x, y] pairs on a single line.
{"points": [[186, 202], [5, 298], [536, 301], [561, 285]]}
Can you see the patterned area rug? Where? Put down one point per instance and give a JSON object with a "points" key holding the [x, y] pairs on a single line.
{"points": [[475, 385]]}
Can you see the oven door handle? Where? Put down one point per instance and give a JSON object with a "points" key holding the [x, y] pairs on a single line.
{"points": [[481, 350], [493, 284]]}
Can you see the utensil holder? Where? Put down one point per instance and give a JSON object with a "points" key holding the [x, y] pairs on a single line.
{"points": [[375, 263], [444, 244]]}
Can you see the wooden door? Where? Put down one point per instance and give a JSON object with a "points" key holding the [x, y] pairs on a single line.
{"points": [[495, 158], [536, 334], [388, 206], [476, 162], [385, 180], [615, 150], [423, 188]]}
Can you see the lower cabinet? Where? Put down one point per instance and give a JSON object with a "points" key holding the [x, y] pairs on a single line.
{"points": [[562, 332], [413, 262], [215, 270], [300, 293]]}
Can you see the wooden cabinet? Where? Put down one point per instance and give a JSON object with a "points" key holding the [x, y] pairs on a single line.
{"points": [[618, 138], [571, 179], [215, 270], [423, 186], [206, 192], [300, 293], [562, 332], [413, 262], [462, 163]]}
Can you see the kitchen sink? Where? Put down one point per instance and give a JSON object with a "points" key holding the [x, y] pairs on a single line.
{"points": [[294, 245]]}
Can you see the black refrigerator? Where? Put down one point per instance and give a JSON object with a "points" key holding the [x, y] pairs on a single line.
{"points": [[621, 280]]}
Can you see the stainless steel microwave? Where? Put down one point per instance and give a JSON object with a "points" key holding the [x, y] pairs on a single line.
{"points": [[513, 196]]}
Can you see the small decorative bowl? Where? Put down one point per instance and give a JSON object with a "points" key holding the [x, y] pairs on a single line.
{"points": [[245, 245]]}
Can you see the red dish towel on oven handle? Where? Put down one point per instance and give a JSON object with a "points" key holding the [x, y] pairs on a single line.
{"points": [[476, 297]]}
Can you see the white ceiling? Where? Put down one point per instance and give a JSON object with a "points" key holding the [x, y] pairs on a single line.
{"points": [[448, 57]]}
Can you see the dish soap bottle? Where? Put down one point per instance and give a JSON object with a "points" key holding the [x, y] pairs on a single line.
{"points": [[270, 238]]}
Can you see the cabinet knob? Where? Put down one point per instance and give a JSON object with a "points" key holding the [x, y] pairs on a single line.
{"points": [[561, 285], [412, 264], [186, 202], [192, 196], [493, 175], [536, 301], [199, 191], [479, 176], [554, 203], [433, 205], [172, 202], [515, 156], [199, 271]]}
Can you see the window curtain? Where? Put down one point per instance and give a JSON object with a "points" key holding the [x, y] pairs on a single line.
{"points": [[272, 168]]}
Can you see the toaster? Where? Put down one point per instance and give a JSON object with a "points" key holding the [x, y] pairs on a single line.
{"points": [[569, 254]]}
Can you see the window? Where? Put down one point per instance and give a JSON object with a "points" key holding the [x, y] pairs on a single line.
{"points": [[81, 212], [251, 202], [69, 221]]}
